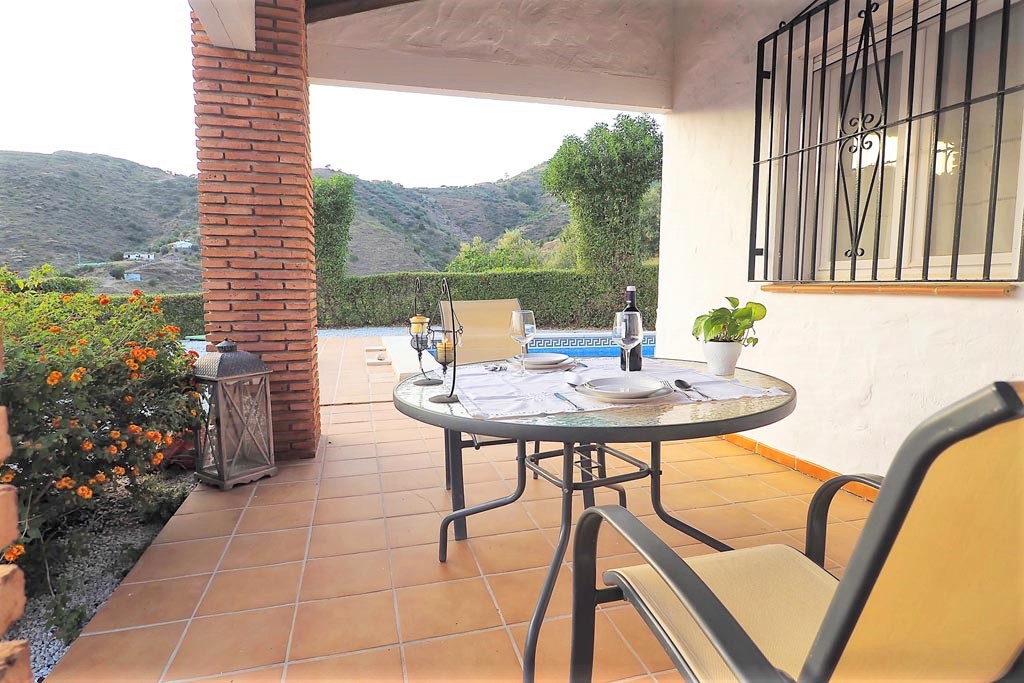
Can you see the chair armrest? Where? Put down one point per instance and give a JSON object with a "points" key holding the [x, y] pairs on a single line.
{"points": [[734, 644], [817, 513]]}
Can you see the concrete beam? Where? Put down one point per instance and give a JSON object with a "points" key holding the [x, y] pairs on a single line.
{"points": [[228, 23]]}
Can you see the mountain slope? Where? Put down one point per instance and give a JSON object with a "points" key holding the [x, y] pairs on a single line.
{"points": [[68, 207]]}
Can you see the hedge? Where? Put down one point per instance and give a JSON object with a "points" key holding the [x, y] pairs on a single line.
{"points": [[562, 299]]}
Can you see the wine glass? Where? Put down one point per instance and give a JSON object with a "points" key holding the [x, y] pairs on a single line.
{"points": [[523, 329], [628, 331]]}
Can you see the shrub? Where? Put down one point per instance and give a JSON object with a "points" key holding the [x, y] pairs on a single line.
{"points": [[560, 298], [117, 271], [96, 388]]}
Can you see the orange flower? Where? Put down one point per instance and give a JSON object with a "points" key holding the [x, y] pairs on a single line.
{"points": [[7, 477], [65, 298], [100, 477], [42, 359], [64, 483], [55, 329], [84, 491], [129, 399], [154, 436], [14, 552], [55, 423], [54, 378], [118, 470], [103, 299], [157, 458], [133, 375], [132, 299], [75, 376], [194, 413], [133, 428], [155, 309], [131, 343], [136, 292], [135, 471], [87, 446], [73, 422], [168, 439], [150, 352], [115, 434], [83, 342], [158, 299], [132, 365], [74, 350], [112, 449], [122, 444], [92, 480]]}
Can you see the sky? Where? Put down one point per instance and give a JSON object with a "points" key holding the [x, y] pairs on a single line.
{"points": [[119, 82]]}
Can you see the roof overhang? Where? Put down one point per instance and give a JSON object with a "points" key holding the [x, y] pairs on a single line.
{"points": [[319, 10], [228, 23]]}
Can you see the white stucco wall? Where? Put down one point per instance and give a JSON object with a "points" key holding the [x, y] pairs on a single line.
{"points": [[867, 368], [603, 52]]}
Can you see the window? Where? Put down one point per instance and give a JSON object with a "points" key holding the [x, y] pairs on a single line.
{"points": [[888, 140]]}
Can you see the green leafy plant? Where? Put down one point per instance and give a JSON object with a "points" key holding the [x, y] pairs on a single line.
{"points": [[97, 389], [733, 324]]}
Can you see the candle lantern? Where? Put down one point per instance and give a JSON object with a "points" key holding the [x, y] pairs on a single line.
{"points": [[421, 338], [235, 443]]}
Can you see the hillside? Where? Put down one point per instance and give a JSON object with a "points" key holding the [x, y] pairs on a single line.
{"points": [[66, 208]]}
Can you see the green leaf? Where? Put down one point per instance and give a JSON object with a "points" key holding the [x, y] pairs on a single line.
{"points": [[733, 300], [758, 310]]}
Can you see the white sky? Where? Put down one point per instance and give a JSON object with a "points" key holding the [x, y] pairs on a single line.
{"points": [[115, 77]]}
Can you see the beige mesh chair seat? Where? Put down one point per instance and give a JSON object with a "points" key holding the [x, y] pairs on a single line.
{"points": [[776, 594], [934, 589]]}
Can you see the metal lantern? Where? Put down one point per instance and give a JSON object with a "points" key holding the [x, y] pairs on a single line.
{"points": [[235, 444]]}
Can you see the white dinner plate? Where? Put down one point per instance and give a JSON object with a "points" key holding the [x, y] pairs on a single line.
{"points": [[625, 387], [618, 400], [545, 358], [568, 363]]}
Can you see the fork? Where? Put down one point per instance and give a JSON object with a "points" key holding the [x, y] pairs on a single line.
{"points": [[568, 400]]}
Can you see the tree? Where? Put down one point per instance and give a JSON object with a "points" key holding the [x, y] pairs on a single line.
{"points": [[603, 178], [650, 221], [511, 251], [333, 211]]}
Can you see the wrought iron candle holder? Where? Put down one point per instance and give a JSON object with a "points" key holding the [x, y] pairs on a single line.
{"points": [[446, 341], [421, 338]]}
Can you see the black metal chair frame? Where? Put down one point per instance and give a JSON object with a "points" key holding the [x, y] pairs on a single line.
{"points": [[986, 408]]}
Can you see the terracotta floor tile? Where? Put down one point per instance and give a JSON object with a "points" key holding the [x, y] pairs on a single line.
{"points": [[726, 521], [440, 609], [350, 468], [340, 487], [206, 499], [501, 520], [474, 473], [358, 622], [349, 453], [141, 604], [416, 530], [228, 642], [508, 552], [414, 460], [271, 674], [790, 482], [276, 494], [199, 525], [274, 547], [309, 471], [754, 464], [378, 666], [334, 577], [720, 447], [517, 593], [400, 503], [484, 491], [669, 677], [418, 564], [474, 657], [142, 654], [742, 489], [276, 517], [793, 540], [632, 628], [392, 435], [348, 537], [177, 559], [845, 507], [840, 540], [690, 495], [781, 513], [612, 659], [678, 452], [670, 534], [407, 451], [241, 589], [548, 512], [412, 479], [700, 470], [350, 509]]}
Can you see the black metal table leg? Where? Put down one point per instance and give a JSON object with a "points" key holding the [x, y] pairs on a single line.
{"points": [[448, 460], [586, 453], [537, 620], [457, 486], [663, 513], [460, 515]]}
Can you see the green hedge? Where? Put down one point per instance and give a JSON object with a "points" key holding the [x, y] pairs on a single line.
{"points": [[562, 299]]}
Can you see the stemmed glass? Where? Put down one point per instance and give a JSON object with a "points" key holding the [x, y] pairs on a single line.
{"points": [[628, 331], [523, 329]]}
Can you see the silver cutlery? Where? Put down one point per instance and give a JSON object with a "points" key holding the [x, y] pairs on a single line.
{"points": [[568, 400], [686, 386]]}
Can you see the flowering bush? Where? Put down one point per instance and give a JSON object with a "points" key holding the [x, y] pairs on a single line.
{"points": [[96, 389]]}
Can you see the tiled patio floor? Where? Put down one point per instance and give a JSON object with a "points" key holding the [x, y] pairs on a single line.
{"points": [[329, 572]]}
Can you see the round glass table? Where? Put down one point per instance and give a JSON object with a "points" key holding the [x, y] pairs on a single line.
{"points": [[585, 436]]}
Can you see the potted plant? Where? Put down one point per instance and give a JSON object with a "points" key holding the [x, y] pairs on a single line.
{"points": [[725, 331]]}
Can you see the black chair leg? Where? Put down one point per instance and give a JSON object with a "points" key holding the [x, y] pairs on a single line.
{"points": [[536, 450]]}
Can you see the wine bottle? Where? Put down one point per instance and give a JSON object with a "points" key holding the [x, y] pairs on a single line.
{"points": [[634, 358]]}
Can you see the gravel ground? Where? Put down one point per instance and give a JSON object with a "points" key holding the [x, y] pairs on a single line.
{"points": [[110, 539]]}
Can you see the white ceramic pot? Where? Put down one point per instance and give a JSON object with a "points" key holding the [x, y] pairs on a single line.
{"points": [[722, 357]]}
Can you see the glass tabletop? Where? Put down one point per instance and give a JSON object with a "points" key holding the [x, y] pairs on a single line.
{"points": [[653, 422]]}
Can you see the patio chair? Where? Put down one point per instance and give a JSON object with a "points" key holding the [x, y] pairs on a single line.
{"points": [[934, 588]]}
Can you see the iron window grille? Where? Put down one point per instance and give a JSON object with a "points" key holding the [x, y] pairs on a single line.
{"points": [[888, 143]]}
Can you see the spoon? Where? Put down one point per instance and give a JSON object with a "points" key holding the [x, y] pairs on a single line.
{"points": [[686, 386]]}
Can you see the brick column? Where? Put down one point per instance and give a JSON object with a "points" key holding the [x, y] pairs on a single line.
{"points": [[256, 210]]}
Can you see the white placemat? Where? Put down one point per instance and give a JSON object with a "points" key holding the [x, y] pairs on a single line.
{"points": [[494, 395]]}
